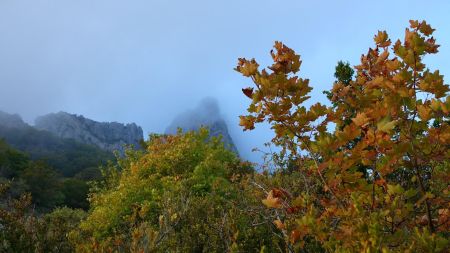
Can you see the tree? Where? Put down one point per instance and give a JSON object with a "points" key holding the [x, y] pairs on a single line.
{"points": [[44, 185], [392, 120], [12, 162], [183, 193], [75, 193]]}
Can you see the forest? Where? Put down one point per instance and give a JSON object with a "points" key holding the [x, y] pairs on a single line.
{"points": [[367, 171]]}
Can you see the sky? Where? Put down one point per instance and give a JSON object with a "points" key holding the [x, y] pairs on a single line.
{"points": [[147, 61]]}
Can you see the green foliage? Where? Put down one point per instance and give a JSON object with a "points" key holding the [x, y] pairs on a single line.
{"points": [[47, 187], [183, 193], [44, 185], [344, 72], [65, 155], [75, 193], [12, 162]]}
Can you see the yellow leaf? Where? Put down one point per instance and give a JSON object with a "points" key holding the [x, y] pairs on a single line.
{"points": [[272, 201], [248, 122], [385, 125], [424, 112]]}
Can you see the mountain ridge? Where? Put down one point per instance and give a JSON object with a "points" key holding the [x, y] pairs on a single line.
{"points": [[108, 136]]}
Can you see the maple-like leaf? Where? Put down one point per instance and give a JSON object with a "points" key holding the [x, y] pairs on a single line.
{"points": [[381, 39], [271, 201], [424, 112]]}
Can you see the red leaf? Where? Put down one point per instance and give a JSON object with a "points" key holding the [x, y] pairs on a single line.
{"points": [[248, 92]]}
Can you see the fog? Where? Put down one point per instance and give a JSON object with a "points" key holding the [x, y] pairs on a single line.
{"points": [[204, 114], [147, 61]]}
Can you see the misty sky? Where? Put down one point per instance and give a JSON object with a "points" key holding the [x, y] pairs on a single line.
{"points": [[146, 61]]}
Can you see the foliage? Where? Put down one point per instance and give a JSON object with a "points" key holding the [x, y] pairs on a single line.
{"points": [[392, 120], [12, 162], [43, 184], [57, 226], [47, 188], [75, 193], [367, 173], [22, 230], [344, 73], [183, 193]]}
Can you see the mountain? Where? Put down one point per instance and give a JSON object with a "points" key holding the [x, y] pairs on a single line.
{"points": [[206, 114], [109, 136], [12, 120], [67, 156]]}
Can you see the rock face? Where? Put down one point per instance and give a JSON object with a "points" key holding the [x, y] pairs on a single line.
{"points": [[206, 114], [108, 136], [11, 120]]}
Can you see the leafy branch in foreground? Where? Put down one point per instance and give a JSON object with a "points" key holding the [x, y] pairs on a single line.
{"points": [[384, 168]]}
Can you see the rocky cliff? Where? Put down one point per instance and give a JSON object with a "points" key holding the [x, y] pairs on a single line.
{"points": [[11, 120], [108, 136], [206, 114]]}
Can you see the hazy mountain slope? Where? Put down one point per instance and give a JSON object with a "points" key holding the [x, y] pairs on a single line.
{"points": [[65, 155], [206, 114]]}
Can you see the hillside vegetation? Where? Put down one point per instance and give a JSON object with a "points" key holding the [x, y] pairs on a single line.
{"points": [[367, 172]]}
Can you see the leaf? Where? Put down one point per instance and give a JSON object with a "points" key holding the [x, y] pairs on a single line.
{"points": [[248, 92], [271, 201], [295, 235], [248, 122], [246, 67], [279, 224], [385, 125], [425, 28], [381, 39], [413, 23], [424, 112], [361, 119], [394, 189], [392, 64], [435, 105]]}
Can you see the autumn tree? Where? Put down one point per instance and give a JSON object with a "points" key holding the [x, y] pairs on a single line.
{"points": [[183, 193], [391, 120]]}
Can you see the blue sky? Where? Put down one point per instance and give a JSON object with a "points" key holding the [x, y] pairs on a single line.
{"points": [[147, 61]]}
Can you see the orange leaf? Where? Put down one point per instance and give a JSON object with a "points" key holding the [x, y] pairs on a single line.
{"points": [[361, 119], [279, 224]]}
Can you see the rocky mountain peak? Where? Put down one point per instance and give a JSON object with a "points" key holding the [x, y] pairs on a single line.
{"points": [[106, 135]]}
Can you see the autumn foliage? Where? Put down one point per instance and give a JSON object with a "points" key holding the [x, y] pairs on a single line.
{"points": [[366, 171], [379, 152]]}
